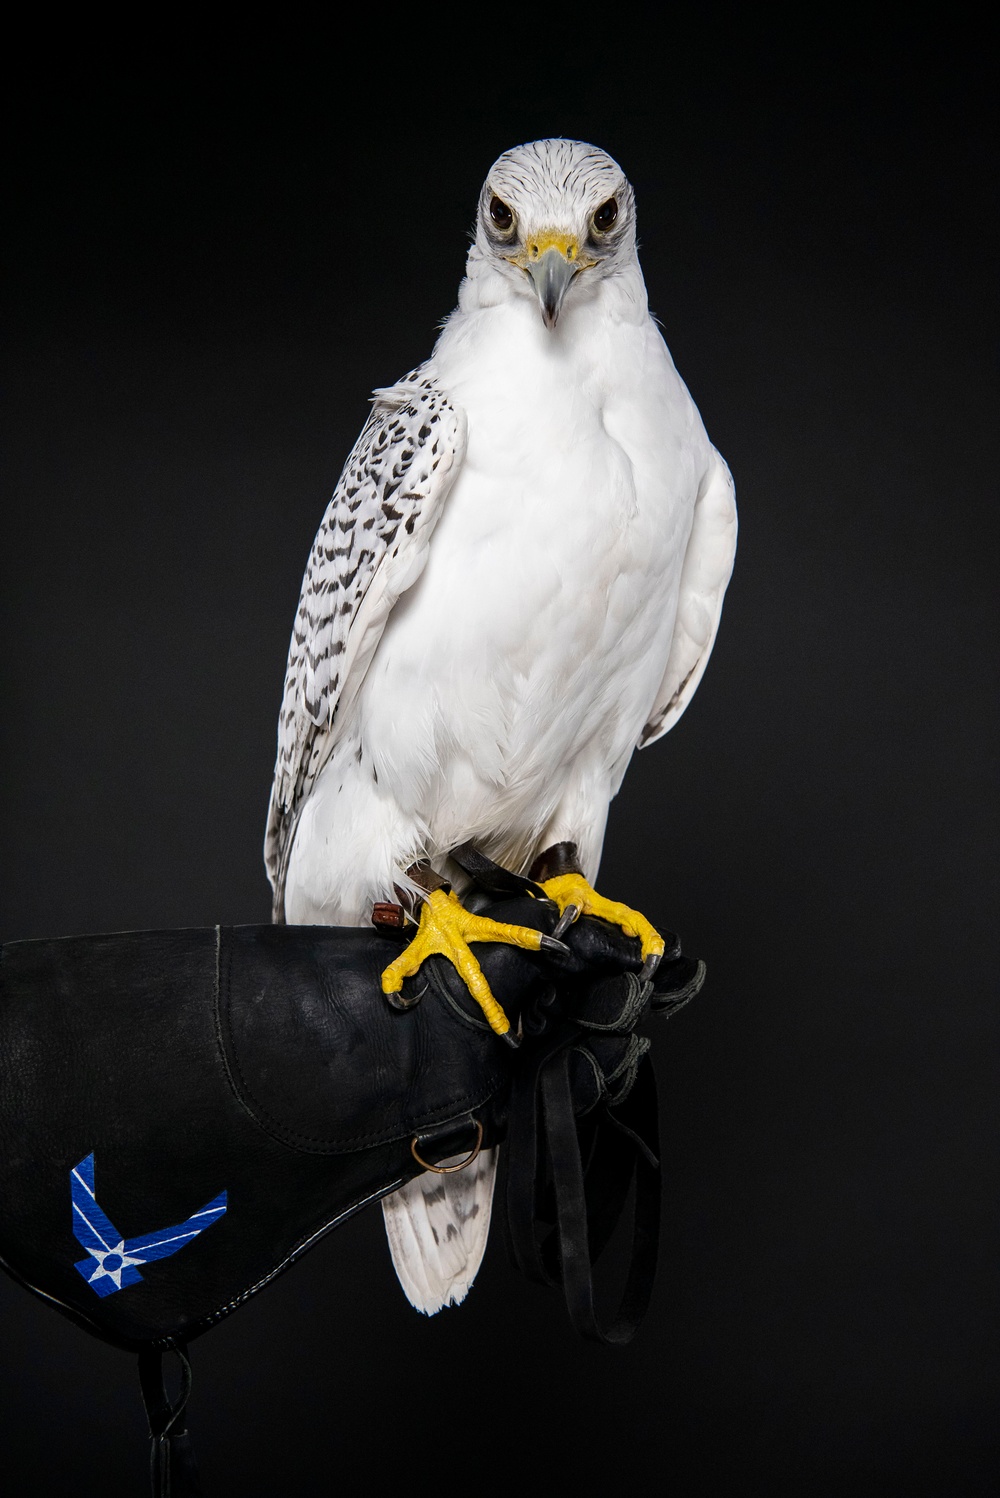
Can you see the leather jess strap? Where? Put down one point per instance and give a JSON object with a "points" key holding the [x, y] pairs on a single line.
{"points": [[172, 1467], [567, 1186]]}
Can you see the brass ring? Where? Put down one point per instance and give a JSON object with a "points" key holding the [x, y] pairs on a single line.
{"points": [[449, 1170]]}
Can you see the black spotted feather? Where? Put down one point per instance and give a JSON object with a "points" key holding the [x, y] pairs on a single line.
{"points": [[371, 546]]}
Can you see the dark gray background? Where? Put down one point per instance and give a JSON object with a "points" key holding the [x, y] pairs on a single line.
{"points": [[216, 250]]}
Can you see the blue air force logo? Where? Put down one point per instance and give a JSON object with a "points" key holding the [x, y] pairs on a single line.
{"points": [[112, 1261]]}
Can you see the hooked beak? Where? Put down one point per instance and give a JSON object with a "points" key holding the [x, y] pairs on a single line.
{"points": [[551, 274]]}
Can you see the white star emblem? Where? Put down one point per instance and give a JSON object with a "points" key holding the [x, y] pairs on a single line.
{"points": [[111, 1262]]}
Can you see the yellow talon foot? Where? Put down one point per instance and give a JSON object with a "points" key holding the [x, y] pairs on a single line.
{"points": [[571, 892], [446, 929]]}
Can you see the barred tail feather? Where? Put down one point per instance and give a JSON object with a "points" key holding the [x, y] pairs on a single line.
{"points": [[437, 1226]]}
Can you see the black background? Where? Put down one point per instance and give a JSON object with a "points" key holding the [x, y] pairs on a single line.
{"points": [[217, 247]]}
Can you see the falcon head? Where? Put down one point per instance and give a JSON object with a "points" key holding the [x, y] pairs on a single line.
{"points": [[555, 214]]}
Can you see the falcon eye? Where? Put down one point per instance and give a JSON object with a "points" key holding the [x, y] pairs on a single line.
{"points": [[501, 214], [606, 215]]}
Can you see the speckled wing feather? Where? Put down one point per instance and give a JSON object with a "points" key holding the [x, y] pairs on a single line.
{"points": [[371, 546], [708, 564]]}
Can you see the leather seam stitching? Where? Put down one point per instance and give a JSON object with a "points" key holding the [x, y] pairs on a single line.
{"points": [[264, 1119]]}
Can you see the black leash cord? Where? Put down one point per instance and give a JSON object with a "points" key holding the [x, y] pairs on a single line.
{"points": [[560, 1213], [172, 1468]]}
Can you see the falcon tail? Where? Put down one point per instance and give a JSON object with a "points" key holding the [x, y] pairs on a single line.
{"points": [[437, 1226]]}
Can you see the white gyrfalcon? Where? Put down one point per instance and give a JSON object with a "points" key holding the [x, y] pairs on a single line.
{"points": [[517, 582]]}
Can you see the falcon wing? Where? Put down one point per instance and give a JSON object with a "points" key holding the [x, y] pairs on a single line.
{"points": [[708, 563], [371, 546]]}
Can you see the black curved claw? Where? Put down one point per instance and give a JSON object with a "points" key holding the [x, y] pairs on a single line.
{"points": [[566, 920], [649, 967], [405, 998]]}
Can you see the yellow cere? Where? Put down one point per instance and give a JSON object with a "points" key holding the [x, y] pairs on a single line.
{"points": [[550, 239]]}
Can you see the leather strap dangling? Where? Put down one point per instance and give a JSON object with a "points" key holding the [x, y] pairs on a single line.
{"points": [[172, 1467], [561, 1212], [574, 1222]]}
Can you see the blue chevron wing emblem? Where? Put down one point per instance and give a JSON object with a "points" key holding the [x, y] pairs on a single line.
{"points": [[112, 1261]]}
